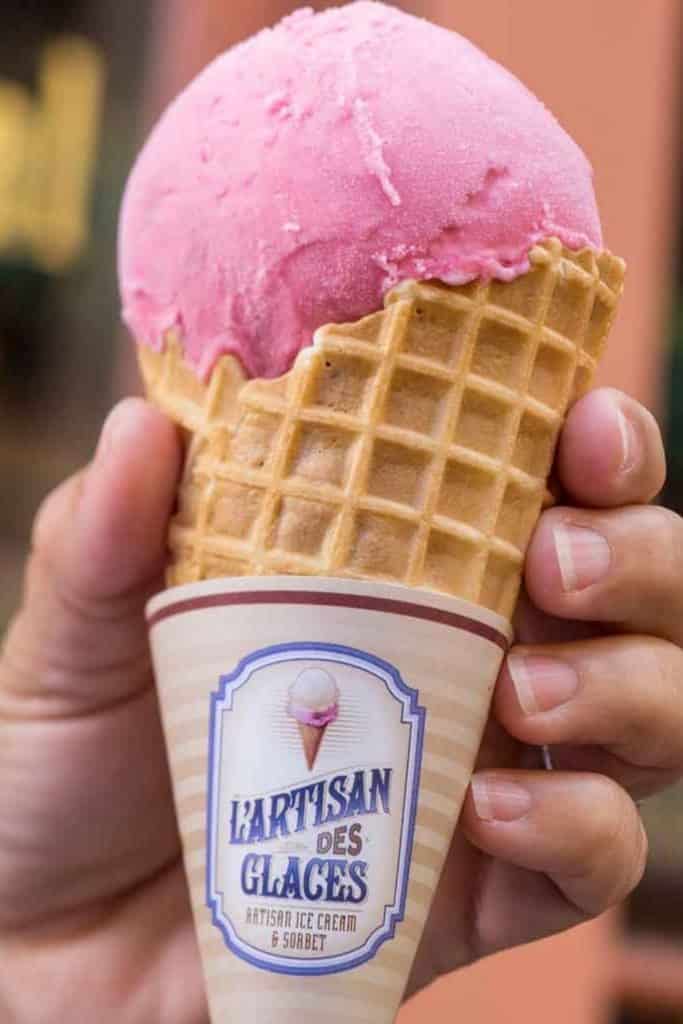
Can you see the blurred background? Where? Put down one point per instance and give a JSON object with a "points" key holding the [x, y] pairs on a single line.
{"points": [[82, 80]]}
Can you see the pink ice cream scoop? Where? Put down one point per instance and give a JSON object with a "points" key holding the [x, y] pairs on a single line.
{"points": [[313, 167], [314, 698]]}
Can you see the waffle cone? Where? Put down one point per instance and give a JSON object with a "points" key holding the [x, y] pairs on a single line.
{"points": [[175, 388], [311, 738], [412, 447]]}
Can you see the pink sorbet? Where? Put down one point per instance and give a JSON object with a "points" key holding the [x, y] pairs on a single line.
{"points": [[311, 168]]}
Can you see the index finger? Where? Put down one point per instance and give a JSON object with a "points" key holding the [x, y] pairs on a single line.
{"points": [[610, 452]]}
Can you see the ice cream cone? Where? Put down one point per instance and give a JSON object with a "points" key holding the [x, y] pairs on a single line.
{"points": [[353, 518], [412, 447], [311, 738]]}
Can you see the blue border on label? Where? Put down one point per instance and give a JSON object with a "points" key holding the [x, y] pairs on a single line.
{"points": [[394, 913]]}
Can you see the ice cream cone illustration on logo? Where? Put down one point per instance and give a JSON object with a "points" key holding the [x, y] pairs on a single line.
{"points": [[314, 704]]}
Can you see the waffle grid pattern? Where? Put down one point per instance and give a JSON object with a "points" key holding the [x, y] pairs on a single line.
{"points": [[413, 446], [174, 387]]}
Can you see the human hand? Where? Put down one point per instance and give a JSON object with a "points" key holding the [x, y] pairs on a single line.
{"points": [[596, 674], [90, 878], [94, 914]]}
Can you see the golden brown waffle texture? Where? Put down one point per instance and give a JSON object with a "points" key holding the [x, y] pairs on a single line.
{"points": [[174, 387], [413, 446]]}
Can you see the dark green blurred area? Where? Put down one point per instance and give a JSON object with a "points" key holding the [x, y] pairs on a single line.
{"points": [[673, 494], [59, 328]]}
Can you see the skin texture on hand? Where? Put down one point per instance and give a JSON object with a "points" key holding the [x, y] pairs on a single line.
{"points": [[91, 883]]}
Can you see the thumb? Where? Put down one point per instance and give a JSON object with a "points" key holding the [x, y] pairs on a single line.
{"points": [[79, 641]]}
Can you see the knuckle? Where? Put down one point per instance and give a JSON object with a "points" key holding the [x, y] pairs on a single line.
{"points": [[649, 561], [41, 523], [633, 865], [617, 843], [642, 854], [649, 720], [606, 822], [663, 725], [669, 521], [54, 511], [667, 528]]}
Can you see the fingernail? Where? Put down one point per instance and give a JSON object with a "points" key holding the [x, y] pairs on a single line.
{"points": [[115, 425], [541, 683], [583, 556], [498, 799], [629, 443]]}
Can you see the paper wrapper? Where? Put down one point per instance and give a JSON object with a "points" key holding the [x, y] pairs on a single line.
{"points": [[311, 886]]}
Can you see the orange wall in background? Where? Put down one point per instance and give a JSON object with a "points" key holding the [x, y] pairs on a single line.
{"points": [[610, 70]]}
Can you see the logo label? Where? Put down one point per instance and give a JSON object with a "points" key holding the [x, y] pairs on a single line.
{"points": [[314, 766]]}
